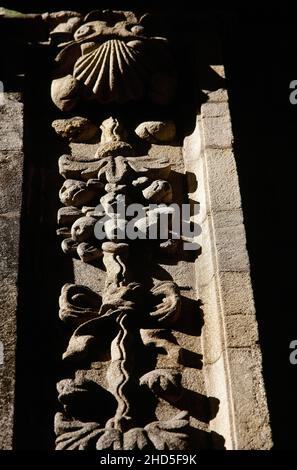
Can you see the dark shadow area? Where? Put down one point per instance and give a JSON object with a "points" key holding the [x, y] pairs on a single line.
{"points": [[199, 406], [43, 269], [192, 320], [260, 57], [191, 359], [85, 402], [203, 440]]}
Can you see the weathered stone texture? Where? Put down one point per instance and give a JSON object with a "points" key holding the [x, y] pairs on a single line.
{"points": [[232, 357], [11, 170], [214, 357]]}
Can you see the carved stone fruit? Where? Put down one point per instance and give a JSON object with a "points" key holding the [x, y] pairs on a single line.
{"points": [[76, 129], [64, 91], [164, 383], [159, 191], [156, 131], [76, 193], [83, 229]]}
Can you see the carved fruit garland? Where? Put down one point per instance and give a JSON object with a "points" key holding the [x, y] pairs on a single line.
{"points": [[127, 313]]}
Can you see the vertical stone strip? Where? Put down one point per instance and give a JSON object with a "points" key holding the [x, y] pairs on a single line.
{"points": [[232, 357], [11, 171]]}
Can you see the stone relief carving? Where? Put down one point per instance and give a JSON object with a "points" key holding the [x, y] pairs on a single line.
{"points": [[113, 58], [127, 316], [76, 435], [124, 319], [92, 190], [76, 129], [156, 131]]}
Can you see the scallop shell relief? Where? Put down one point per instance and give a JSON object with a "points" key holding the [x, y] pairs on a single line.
{"points": [[112, 59]]}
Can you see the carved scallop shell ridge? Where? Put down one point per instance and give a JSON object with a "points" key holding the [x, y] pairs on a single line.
{"points": [[114, 71]]}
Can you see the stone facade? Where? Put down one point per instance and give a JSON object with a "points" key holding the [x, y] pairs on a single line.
{"points": [[147, 320], [232, 357], [11, 181]]}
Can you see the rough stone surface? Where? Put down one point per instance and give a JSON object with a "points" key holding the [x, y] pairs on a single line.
{"points": [[156, 131], [218, 354], [231, 251], [215, 109], [241, 331], [251, 417], [217, 132], [11, 165], [172, 376], [237, 292], [232, 357], [223, 183], [216, 96], [130, 55], [77, 129], [11, 123]]}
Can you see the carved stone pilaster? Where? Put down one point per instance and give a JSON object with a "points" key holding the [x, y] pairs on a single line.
{"points": [[113, 59]]}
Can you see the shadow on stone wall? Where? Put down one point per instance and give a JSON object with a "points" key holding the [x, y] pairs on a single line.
{"points": [[260, 54]]}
